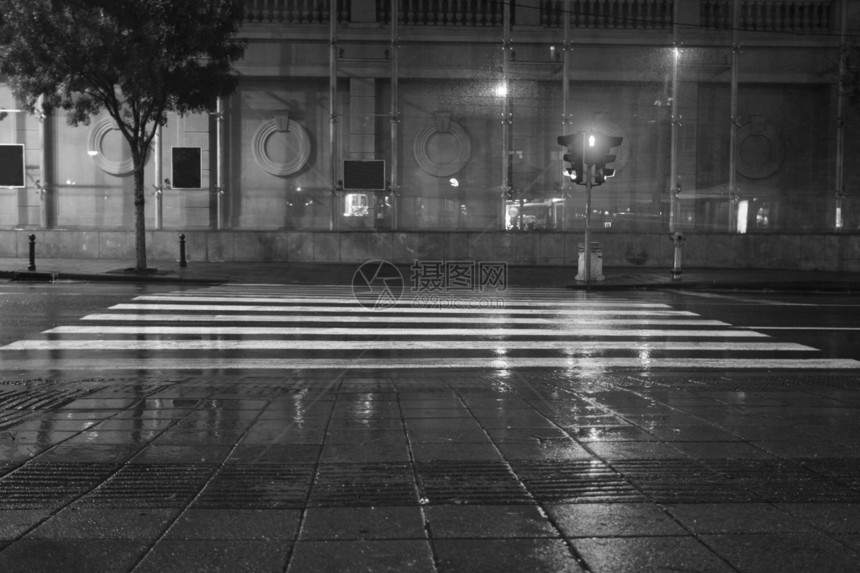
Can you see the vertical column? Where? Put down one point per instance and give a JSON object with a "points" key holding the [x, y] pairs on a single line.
{"points": [[45, 184], [566, 119], [840, 118], [220, 168], [675, 179], [393, 121], [733, 191], [506, 113], [159, 178], [332, 98]]}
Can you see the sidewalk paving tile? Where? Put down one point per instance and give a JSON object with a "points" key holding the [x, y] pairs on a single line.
{"points": [[37, 555], [354, 556], [356, 523], [261, 524], [783, 552], [471, 555], [216, 556], [613, 520], [488, 521], [637, 554]]}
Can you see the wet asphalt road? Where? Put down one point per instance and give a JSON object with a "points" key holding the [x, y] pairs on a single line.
{"points": [[827, 322]]}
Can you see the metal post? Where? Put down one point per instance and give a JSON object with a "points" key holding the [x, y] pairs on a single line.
{"points": [[332, 96], [159, 179], [587, 209], [395, 149], [506, 112], [733, 192], [220, 171], [44, 183], [32, 266], [183, 262], [840, 119], [565, 95], [675, 179]]}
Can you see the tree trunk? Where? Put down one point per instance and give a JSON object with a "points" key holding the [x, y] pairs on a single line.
{"points": [[139, 213]]}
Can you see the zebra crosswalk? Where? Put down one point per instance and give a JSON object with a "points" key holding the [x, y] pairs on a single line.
{"points": [[285, 327]]}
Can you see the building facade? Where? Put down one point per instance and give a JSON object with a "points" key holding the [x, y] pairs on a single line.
{"points": [[405, 129]]}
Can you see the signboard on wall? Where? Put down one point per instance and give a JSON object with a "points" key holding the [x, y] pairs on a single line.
{"points": [[367, 175], [187, 168], [12, 165]]}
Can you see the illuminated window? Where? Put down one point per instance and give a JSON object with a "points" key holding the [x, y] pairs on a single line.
{"points": [[355, 205]]}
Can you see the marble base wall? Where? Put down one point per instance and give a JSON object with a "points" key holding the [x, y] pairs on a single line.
{"points": [[825, 251]]}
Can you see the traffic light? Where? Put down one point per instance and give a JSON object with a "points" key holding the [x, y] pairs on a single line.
{"points": [[599, 153], [575, 156]]}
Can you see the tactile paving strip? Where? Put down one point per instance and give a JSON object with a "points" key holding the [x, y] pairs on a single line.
{"points": [[258, 486], [469, 482], [17, 403], [50, 485], [575, 481], [783, 482], [362, 485], [680, 481], [151, 485], [844, 471]]}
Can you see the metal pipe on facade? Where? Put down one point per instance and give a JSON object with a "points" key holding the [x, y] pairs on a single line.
{"points": [[674, 178], [45, 176], [159, 178], [565, 96], [733, 191], [588, 184], [393, 122], [840, 118], [332, 96], [220, 172], [506, 112]]}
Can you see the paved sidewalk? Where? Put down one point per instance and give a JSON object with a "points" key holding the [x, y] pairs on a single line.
{"points": [[529, 471], [526, 276]]}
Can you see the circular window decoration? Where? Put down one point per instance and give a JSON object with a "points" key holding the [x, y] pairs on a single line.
{"points": [[442, 149], [758, 149], [281, 147], [106, 160]]}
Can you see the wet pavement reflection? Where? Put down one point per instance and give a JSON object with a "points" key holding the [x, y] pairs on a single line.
{"points": [[507, 470]]}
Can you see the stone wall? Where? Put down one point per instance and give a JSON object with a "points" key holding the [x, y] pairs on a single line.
{"points": [[823, 251]]}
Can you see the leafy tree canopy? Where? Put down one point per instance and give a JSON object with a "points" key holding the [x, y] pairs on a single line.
{"points": [[137, 59]]}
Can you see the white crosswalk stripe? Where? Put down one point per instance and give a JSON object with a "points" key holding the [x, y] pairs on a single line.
{"points": [[285, 327]]}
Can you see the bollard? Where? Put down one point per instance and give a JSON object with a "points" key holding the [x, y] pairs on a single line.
{"points": [[678, 240], [182, 261], [32, 266]]}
